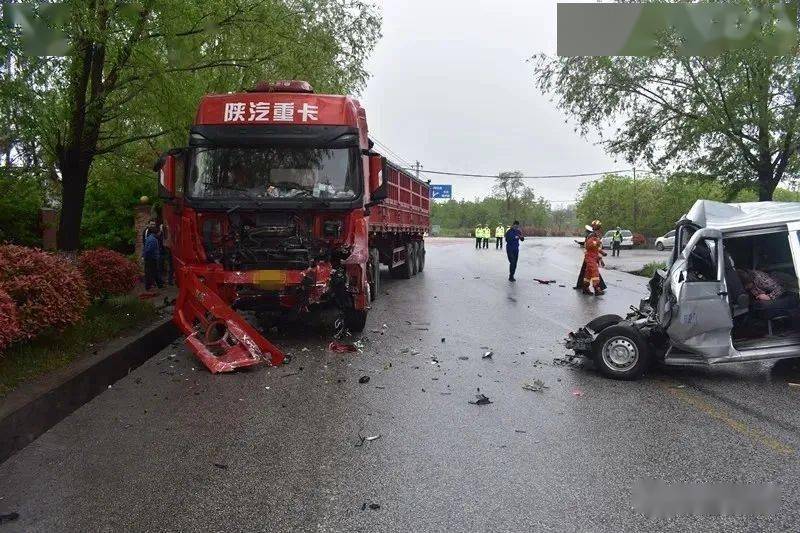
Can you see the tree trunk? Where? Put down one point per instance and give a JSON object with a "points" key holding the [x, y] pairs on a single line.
{"points": [[74, 177], [766, 184]]}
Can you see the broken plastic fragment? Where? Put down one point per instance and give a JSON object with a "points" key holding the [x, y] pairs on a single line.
{"points": [[363, 379], [463, 357], [481, 399], [9, 517], [488, 355], [362, 439], [544, 281], [341, 347], [577, 392], [537, 385]]}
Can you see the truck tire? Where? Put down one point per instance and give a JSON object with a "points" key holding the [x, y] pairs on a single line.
{"points": [[375, 273], [414, 258], [405, 271], [621, 352], [421, 256], [355, 320], [603, 321]]}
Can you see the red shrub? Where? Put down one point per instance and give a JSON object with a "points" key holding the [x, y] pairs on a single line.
{"points": [[48, 290], [639, 239], [9, 326], [107, 272]]}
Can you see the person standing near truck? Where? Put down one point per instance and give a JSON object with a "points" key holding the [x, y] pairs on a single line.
{"points": [[478, 236], [616, 242], [487, 234], [499, 232], [152, 256], [513, 236]]}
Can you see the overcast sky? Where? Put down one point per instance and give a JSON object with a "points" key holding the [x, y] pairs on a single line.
{"points": [[450, 87]]}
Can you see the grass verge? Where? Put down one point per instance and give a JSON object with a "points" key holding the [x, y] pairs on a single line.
{"points": [[650, 268], [52, 350]]}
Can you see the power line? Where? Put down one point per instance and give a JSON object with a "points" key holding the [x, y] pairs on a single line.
{"points": [[397, 156], [464, 175]]}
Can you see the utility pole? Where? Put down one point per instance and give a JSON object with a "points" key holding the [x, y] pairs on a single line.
{"points": [[417, 166], [635, 204]]}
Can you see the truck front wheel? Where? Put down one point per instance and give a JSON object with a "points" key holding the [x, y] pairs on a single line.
{"points": [[414, 258], [375, 273], [621, 352]]}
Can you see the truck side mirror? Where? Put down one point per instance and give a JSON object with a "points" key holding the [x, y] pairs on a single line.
{"points": [[170, 169], [378, 188]]}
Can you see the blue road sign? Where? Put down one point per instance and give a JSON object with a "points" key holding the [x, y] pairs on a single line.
{"points": [[441, 191]]}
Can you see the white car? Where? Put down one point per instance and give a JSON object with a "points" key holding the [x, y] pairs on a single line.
{"points": [[666, 241], [627, 238]]}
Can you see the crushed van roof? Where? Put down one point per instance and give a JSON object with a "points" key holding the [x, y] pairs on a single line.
{"points": [[749, 215]]}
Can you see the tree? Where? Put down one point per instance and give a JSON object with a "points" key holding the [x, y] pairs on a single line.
{"points": [[612, 200], [135, 71], [735, 115], [508, 185]]}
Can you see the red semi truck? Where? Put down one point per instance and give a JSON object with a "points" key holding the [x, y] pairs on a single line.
{"points": [[280, 204]]}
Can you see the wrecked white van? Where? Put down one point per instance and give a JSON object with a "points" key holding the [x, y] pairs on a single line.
{"points": [[699, 311]]}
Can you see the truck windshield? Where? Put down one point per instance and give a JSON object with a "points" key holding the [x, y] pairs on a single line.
{"points": [[274, 173]]}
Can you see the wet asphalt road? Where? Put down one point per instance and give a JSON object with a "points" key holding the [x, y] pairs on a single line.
{"points": [[173, 448]]}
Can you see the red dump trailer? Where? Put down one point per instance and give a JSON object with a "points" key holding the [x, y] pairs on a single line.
{"points": [[279, 204]]}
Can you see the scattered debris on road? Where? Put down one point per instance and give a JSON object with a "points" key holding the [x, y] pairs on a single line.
{"points": [[577, 392], [544, 281], [221, 466], [537, 385], [488, 355], [362, 439], [793, 384], [442, 339], [463, 357], [363, 379], [481, 399], [373, 506], [8, 517], [342, 347]]}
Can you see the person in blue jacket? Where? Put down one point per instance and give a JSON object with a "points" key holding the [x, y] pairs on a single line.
{"points": [[513, 236], [152, 257]]}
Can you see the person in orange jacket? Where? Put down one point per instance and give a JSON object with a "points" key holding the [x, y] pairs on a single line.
{"points": [[593, 258]]}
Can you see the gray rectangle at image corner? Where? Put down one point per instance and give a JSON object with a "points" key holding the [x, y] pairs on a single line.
{"points": [[606, 29], [594, 29]]}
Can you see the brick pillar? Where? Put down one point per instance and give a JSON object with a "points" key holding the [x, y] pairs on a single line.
{"points": [[140, 220], [48, 224]]}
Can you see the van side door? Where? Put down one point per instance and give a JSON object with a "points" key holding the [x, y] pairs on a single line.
{"points": [[794, 244], [700, 320]]}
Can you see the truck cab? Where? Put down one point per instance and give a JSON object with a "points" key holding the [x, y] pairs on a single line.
{"points": [[267, 208]]}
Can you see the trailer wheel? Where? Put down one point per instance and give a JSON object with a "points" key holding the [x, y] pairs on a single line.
{"points": [[375, 273], [421, 257], [405, 271], [621, 352], [414, 258], [355, 320]]}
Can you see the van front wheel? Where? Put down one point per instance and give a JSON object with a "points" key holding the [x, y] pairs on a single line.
{"points": [[621, 352]]}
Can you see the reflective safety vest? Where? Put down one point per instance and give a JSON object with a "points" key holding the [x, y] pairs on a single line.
{"points": [[499, 231], [487, 233], [479, 232]]}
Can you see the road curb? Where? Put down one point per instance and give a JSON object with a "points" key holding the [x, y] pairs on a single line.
{"points": [[33, 409]]}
